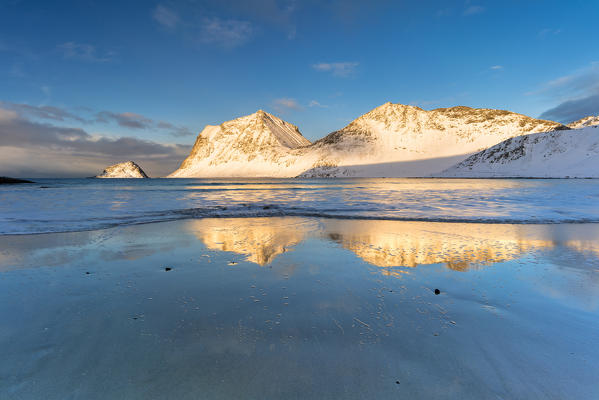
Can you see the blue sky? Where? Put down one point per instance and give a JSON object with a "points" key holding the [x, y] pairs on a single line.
{"points": [[157, 72]]}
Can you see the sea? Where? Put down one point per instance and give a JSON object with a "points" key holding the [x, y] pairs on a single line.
{"points": [[70, 205]]}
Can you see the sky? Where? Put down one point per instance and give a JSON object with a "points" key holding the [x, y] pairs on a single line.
{"points": [[84, 84]]}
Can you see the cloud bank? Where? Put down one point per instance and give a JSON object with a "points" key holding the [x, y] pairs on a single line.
{"points": [[37, 149], [578, 92]]}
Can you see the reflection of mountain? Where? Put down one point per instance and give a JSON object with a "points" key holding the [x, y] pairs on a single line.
{"points": [[589, 247], [409, 244], [261, 239], [394, 243]]}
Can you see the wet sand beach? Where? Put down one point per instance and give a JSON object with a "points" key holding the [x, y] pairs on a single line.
{"points": [[294, 308]]}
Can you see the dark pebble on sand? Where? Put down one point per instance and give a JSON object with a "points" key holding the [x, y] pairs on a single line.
{"points": [[167, 269], [397, 382], [437, 291], [87, 273], [266, 208]]}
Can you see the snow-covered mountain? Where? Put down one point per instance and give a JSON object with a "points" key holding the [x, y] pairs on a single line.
{"points": [[559, 154], [392, 140], [591, 120], [127, 169], [257, 145], [400, 140]]}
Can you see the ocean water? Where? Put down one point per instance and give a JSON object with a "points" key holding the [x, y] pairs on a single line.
{"points": [[61, 205]]}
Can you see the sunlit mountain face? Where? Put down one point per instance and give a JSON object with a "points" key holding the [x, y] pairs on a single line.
{"points": [[388, 244]]}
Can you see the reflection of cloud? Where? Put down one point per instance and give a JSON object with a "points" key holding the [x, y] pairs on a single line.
{"points": [[260, 239]]}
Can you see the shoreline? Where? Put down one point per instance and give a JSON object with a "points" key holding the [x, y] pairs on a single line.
{"points": [[455, 221]]}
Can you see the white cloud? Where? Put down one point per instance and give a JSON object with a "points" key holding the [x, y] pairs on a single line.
{"points": [[496, 67], [65, 147], [340, 69], [127, 120], [7, 115], [472, 10], [17, 70], [228, 33], [165, 16], [314, 103], [84, 52], [285, 104], [577, 94], [549, 31]]}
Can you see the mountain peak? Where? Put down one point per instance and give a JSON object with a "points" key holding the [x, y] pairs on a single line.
{"points": [[127, 169], [392, 139], [245, 141], [590, 120]]}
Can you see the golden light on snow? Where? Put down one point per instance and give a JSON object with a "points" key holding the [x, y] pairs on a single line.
{"points": [[386, 244], [259, 239]]}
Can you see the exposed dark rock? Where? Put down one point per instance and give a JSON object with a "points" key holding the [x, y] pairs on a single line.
{"points": [[4, 180]]}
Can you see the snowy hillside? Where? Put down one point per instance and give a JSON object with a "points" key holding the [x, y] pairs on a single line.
{"points": [[399, 140], [586, 121], [560, 154], [127, 169], [258, 145], [392, 140]]}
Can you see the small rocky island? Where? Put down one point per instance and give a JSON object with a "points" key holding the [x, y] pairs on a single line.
{"points": [[127, 169]]}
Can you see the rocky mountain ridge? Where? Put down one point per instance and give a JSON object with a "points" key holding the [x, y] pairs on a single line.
{"points": [[391, 140], [259, 144], [558, 154], [591, 120]]}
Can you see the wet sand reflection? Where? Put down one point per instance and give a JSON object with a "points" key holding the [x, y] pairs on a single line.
{"points": [[261, 240], [389, 244]]}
